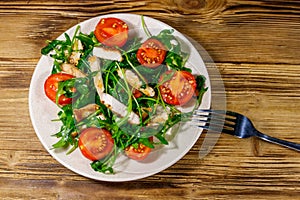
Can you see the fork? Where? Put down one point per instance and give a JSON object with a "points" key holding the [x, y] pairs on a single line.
{"points": [[235, 124]]}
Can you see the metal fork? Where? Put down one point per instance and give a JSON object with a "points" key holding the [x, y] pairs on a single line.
{"points": [[235, 124]]}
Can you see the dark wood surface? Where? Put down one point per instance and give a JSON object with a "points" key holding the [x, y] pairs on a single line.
{"points": [[256, 47]]}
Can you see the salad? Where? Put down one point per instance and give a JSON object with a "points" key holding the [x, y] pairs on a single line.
{"points": [[119, 94]]}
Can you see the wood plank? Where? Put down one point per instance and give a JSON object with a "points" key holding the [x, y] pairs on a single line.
{"points": [[18, 156], [255, 45], [267, 32]]}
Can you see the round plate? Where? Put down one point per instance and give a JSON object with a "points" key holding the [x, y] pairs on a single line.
{"points": [[42, 111]]}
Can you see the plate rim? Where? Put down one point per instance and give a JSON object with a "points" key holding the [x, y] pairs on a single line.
{"points": [[104, 178]]}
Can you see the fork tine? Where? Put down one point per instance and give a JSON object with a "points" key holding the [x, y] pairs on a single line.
{"points": [[227, 116], [232, 114], [216, 120], [206, 116]]}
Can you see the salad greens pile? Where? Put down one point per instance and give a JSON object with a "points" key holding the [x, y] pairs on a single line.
{"points": [[123, 133]]}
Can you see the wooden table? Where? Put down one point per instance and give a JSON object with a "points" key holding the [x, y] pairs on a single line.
{"points": [[256, 47]]}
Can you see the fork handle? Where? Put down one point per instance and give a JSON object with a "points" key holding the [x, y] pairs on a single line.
{"points": [[284, 143]]}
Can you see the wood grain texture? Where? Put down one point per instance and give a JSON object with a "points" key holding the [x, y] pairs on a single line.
{"points": [[255, 45]]}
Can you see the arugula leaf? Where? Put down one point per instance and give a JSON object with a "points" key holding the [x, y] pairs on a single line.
{"points": [[51, 46], [175, 57], [56, 68], [147, 142], [88, 40], [67, 129], [177, 61], [146, 30], [106, 164], [201, 88], [65, 88]]}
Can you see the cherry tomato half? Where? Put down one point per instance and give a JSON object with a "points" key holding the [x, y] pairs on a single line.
{"points": [[140, 153], [152, 53], [51, 87], [95, 143], [111, 32], [179, 89]]}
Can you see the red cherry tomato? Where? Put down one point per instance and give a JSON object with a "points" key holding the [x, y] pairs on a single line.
{"points": [[152, 53], [111, 32], [140, 153], [95, 143], [179, 88], [51, 87]]}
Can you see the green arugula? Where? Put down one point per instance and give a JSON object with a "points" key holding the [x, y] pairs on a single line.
{"points": [[123, 133]]}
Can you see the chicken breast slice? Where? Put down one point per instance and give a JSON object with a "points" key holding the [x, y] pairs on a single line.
{"points": [[160, 117], [84, 112], [71, 69], [135, 82], [107, 53], [109, 101]]}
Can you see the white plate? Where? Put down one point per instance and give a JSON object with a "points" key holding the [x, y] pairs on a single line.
{"points": [[42, 111]]}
